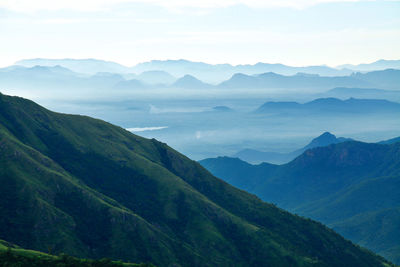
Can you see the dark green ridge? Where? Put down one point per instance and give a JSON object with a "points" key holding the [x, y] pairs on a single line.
{"points": [[352, 187], [84, 187]]}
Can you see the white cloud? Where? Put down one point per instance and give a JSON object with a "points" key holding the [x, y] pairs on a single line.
{"points": [[95, 5], [207, 134], [142, 129], [130, 34]]}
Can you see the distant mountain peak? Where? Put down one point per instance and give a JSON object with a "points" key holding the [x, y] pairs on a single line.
{"points": [[325, 135], [332, 100], [190, 82], [325, 139], [189, 78], [269, 73], [239, 75]]}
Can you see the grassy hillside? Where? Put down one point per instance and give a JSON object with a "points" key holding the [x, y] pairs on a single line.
{"points": [[84, 187], [353, 187], [12, 255]]}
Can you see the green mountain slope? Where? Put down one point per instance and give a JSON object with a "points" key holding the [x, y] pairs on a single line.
{"points": [[87, 188], [351, 186], [12, 255]]}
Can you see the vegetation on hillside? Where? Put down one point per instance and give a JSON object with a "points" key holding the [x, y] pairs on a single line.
{"points": [[89, 189], [11, 255], [352, 186]]}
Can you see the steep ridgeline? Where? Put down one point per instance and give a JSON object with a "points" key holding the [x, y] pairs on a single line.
{"points": [[255, 156], [352, 187], [90, 189]]}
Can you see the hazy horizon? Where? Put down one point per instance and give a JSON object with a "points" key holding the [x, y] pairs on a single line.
{"points": [[337, 66], [293, 32]]}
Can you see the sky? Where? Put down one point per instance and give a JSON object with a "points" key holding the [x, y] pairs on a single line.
{"points": [[293, 32]]}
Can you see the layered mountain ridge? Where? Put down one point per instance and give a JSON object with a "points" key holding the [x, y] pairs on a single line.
{"points": [[90, 189], [207, 72], [252, 77], [350, 186]]}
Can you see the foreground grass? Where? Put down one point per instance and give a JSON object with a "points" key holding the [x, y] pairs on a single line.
{"points": [[12, 256]]}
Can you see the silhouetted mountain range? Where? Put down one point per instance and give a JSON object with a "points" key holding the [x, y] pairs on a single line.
{"points": [[60, 76], [219, 72], [274, 80], [87, 66], [43, 77], [383, 79], [386, 79], [206, 72], [370, 93], [330, 105], [377, 65]]}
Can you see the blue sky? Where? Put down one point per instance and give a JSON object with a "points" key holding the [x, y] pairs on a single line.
{"points": [[294, 32]]}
